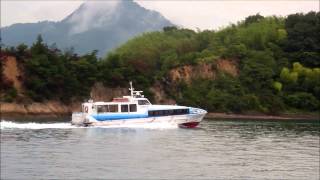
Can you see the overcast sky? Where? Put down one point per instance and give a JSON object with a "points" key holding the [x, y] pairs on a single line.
{"points": [[205, 14]]}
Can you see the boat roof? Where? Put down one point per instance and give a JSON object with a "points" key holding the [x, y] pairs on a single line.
{"points": [[123, 100]]}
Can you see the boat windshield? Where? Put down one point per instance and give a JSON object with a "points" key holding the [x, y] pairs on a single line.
{"points": [[143, 102]]}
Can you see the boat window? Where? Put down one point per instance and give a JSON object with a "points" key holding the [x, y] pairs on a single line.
{"points": [[156, 113], [113, 108], [102, 108], [107, 108], [168, 112], [143, 102], [133, 107], [124, 108]]}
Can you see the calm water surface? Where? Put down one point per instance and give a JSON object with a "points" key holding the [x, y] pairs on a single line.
{"points": [[218, 149]]}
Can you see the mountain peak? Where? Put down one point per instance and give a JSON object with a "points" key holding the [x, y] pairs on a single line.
{"points": [[91, 15], [94, 25]]}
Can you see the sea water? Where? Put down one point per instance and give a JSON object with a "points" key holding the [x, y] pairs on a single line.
{"points": [[217, 149]]}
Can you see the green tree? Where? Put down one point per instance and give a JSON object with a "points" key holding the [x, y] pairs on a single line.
{"points": [[303, 43], [253, 19], [258, 71], [302, 100]]}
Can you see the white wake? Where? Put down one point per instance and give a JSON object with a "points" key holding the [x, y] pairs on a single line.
{"points": [[144, 126], [34, 125]]}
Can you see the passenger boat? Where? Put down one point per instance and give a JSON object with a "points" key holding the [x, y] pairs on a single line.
{"points": [[135, 109]]}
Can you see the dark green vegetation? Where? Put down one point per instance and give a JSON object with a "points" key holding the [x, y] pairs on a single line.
{"points": [[51, 74], [278, 61]]}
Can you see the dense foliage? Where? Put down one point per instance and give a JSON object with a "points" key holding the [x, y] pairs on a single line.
{"points": [[51, 74], [278, 61]]}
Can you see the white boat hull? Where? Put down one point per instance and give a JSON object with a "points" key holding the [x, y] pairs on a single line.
{"points": [[186, 121]]}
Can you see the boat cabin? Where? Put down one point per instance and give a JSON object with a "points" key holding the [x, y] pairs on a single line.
{"points": [[117, 105], [127, 104], [134, 104]]}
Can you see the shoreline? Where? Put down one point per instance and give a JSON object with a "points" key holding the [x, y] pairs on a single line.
{"points": [[210, 116], [33, 116], [57, 110]]}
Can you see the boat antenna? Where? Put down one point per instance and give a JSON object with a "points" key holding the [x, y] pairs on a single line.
{"points": [[131, 89]]}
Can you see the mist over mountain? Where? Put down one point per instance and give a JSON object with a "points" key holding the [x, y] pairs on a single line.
{"points": [[98, 25]]}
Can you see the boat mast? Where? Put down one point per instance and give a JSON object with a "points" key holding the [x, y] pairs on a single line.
{"points": [[133, 93], [131, 89]]}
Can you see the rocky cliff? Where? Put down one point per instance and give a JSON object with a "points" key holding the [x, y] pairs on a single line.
{"points": [[22, 105], [207, 70]]}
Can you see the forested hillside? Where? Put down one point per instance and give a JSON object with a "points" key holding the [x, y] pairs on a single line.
{"points": [[274, 67]]}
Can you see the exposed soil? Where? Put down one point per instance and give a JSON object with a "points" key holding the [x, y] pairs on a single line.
{"points": [[50, 108], [12, 72], [160, 96], [204, 70], [228, 66]]}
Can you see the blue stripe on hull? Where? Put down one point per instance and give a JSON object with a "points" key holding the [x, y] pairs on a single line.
{"points": [[106, 117]]}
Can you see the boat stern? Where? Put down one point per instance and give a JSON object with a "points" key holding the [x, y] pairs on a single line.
{"points": [[78, 119]]}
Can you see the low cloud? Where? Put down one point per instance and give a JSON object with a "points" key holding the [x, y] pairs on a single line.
{"points": [[92, 14], [191, 14]]}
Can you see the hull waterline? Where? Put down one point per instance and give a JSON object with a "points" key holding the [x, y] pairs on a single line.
{"points": [[189, 125], [183, 121]]}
